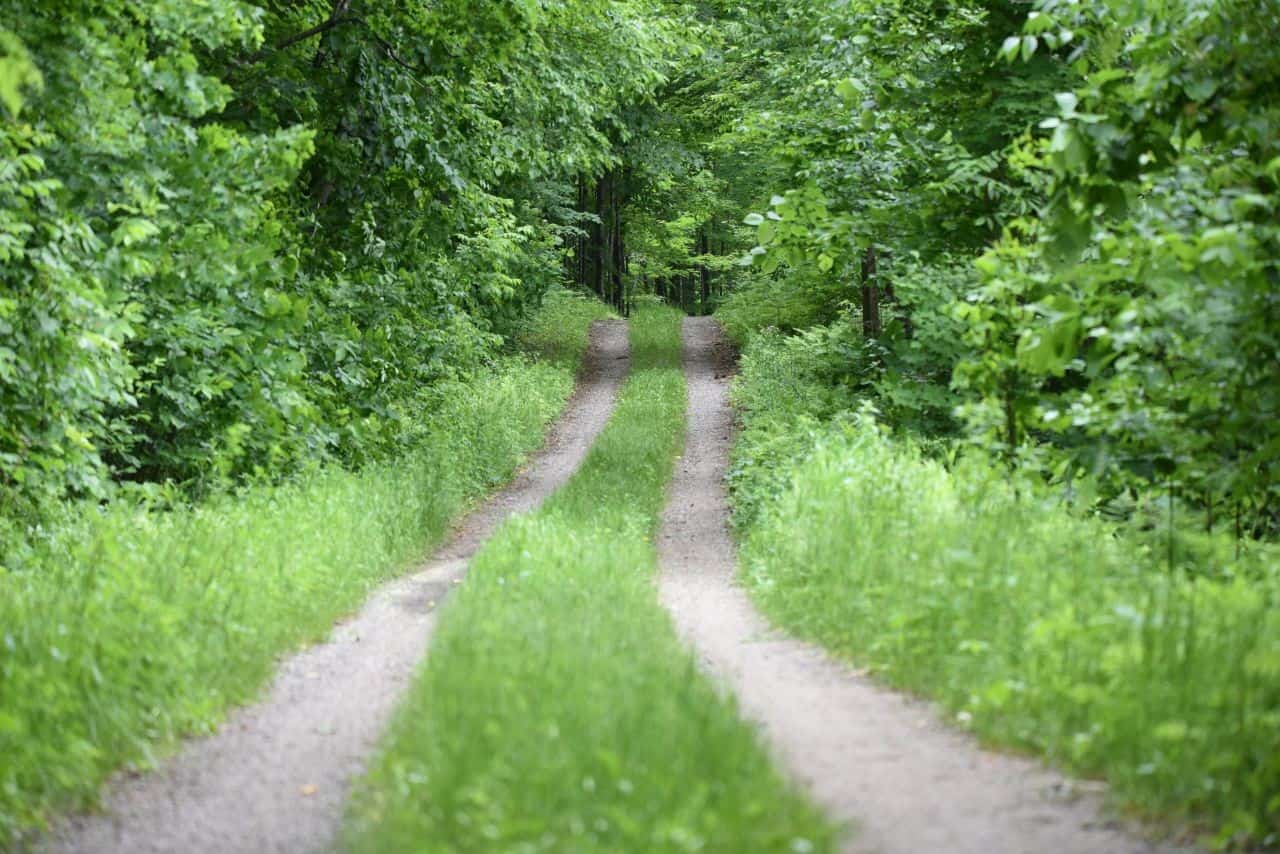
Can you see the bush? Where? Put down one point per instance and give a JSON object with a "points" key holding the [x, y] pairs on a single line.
{"points": [[784, 405], [761, 301]]}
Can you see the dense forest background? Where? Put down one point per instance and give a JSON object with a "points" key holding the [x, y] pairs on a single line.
{"points": [[238, 239]]}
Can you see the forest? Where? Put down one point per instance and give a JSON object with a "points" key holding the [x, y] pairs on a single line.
{"points": [[990, 290]]}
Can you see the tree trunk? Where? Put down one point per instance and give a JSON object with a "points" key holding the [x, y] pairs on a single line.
{"points": [[1011, 415], [890, 296], [596, 253], [618, 261], [704, 273], [870, 295]]}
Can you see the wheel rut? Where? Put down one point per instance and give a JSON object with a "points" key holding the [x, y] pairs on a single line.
{"points": [[878, 761], [275, 777]]}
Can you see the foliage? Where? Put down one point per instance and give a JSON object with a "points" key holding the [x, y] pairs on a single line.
{"points": [[784, 398], [1114, 183], [127, 626], [762, 302], [1037, 627], [1136, 326], [127, 211], [887, 149], [570, 705], [237, 239], [909, 367]]}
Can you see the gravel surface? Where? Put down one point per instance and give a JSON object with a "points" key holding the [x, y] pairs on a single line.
{"points": [[882, 763], [275, 777]]}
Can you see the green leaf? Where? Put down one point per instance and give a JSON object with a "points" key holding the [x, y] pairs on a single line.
{"points": [[1029, 45], [851, 91]]}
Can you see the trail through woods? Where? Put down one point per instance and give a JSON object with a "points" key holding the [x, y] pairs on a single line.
{"points": [[276, 775], [875, 759]]}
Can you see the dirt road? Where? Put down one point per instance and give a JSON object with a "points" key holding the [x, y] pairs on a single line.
{"points": [[876, 760], [275, 777]]}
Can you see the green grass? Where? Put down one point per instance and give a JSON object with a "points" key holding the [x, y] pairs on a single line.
{"points": [[126, 627], [557, 711], [556, 333], [1037, 628]]}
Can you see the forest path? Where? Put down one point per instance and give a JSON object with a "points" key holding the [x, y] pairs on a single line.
{"points": [[877, 760], [275, 777]]}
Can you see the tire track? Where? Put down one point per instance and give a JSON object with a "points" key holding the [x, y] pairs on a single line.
{"points": [[275, 777], [875, 759]]}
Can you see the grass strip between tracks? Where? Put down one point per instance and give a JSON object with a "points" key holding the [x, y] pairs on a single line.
{"points": [[557, 710]]}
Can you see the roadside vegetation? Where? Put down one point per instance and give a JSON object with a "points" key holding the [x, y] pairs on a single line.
{"points": [[1009, 390], [127, 626], [557, 710], [1036, 625]]}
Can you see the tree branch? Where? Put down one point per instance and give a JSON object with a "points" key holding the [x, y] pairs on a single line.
{"points": [[336, 19], [390, 50], [306, 34]]}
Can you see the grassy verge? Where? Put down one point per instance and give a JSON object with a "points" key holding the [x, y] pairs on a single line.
{"points": [[127, 626], [557, 710], [558, 332], [1037, 628]]}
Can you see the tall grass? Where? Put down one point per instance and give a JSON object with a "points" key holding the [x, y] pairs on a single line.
{"points": [[1037, 628], [557, 333], [557, 711], [127, 627]]}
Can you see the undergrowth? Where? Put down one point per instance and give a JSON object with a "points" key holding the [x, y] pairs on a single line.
{"points": [[127, 626], [762, 302], [557, 710], [556, 333], [1035, 627]]}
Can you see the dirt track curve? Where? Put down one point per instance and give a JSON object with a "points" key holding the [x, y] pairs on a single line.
{"points": [[275, 777], [876, 760]]}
